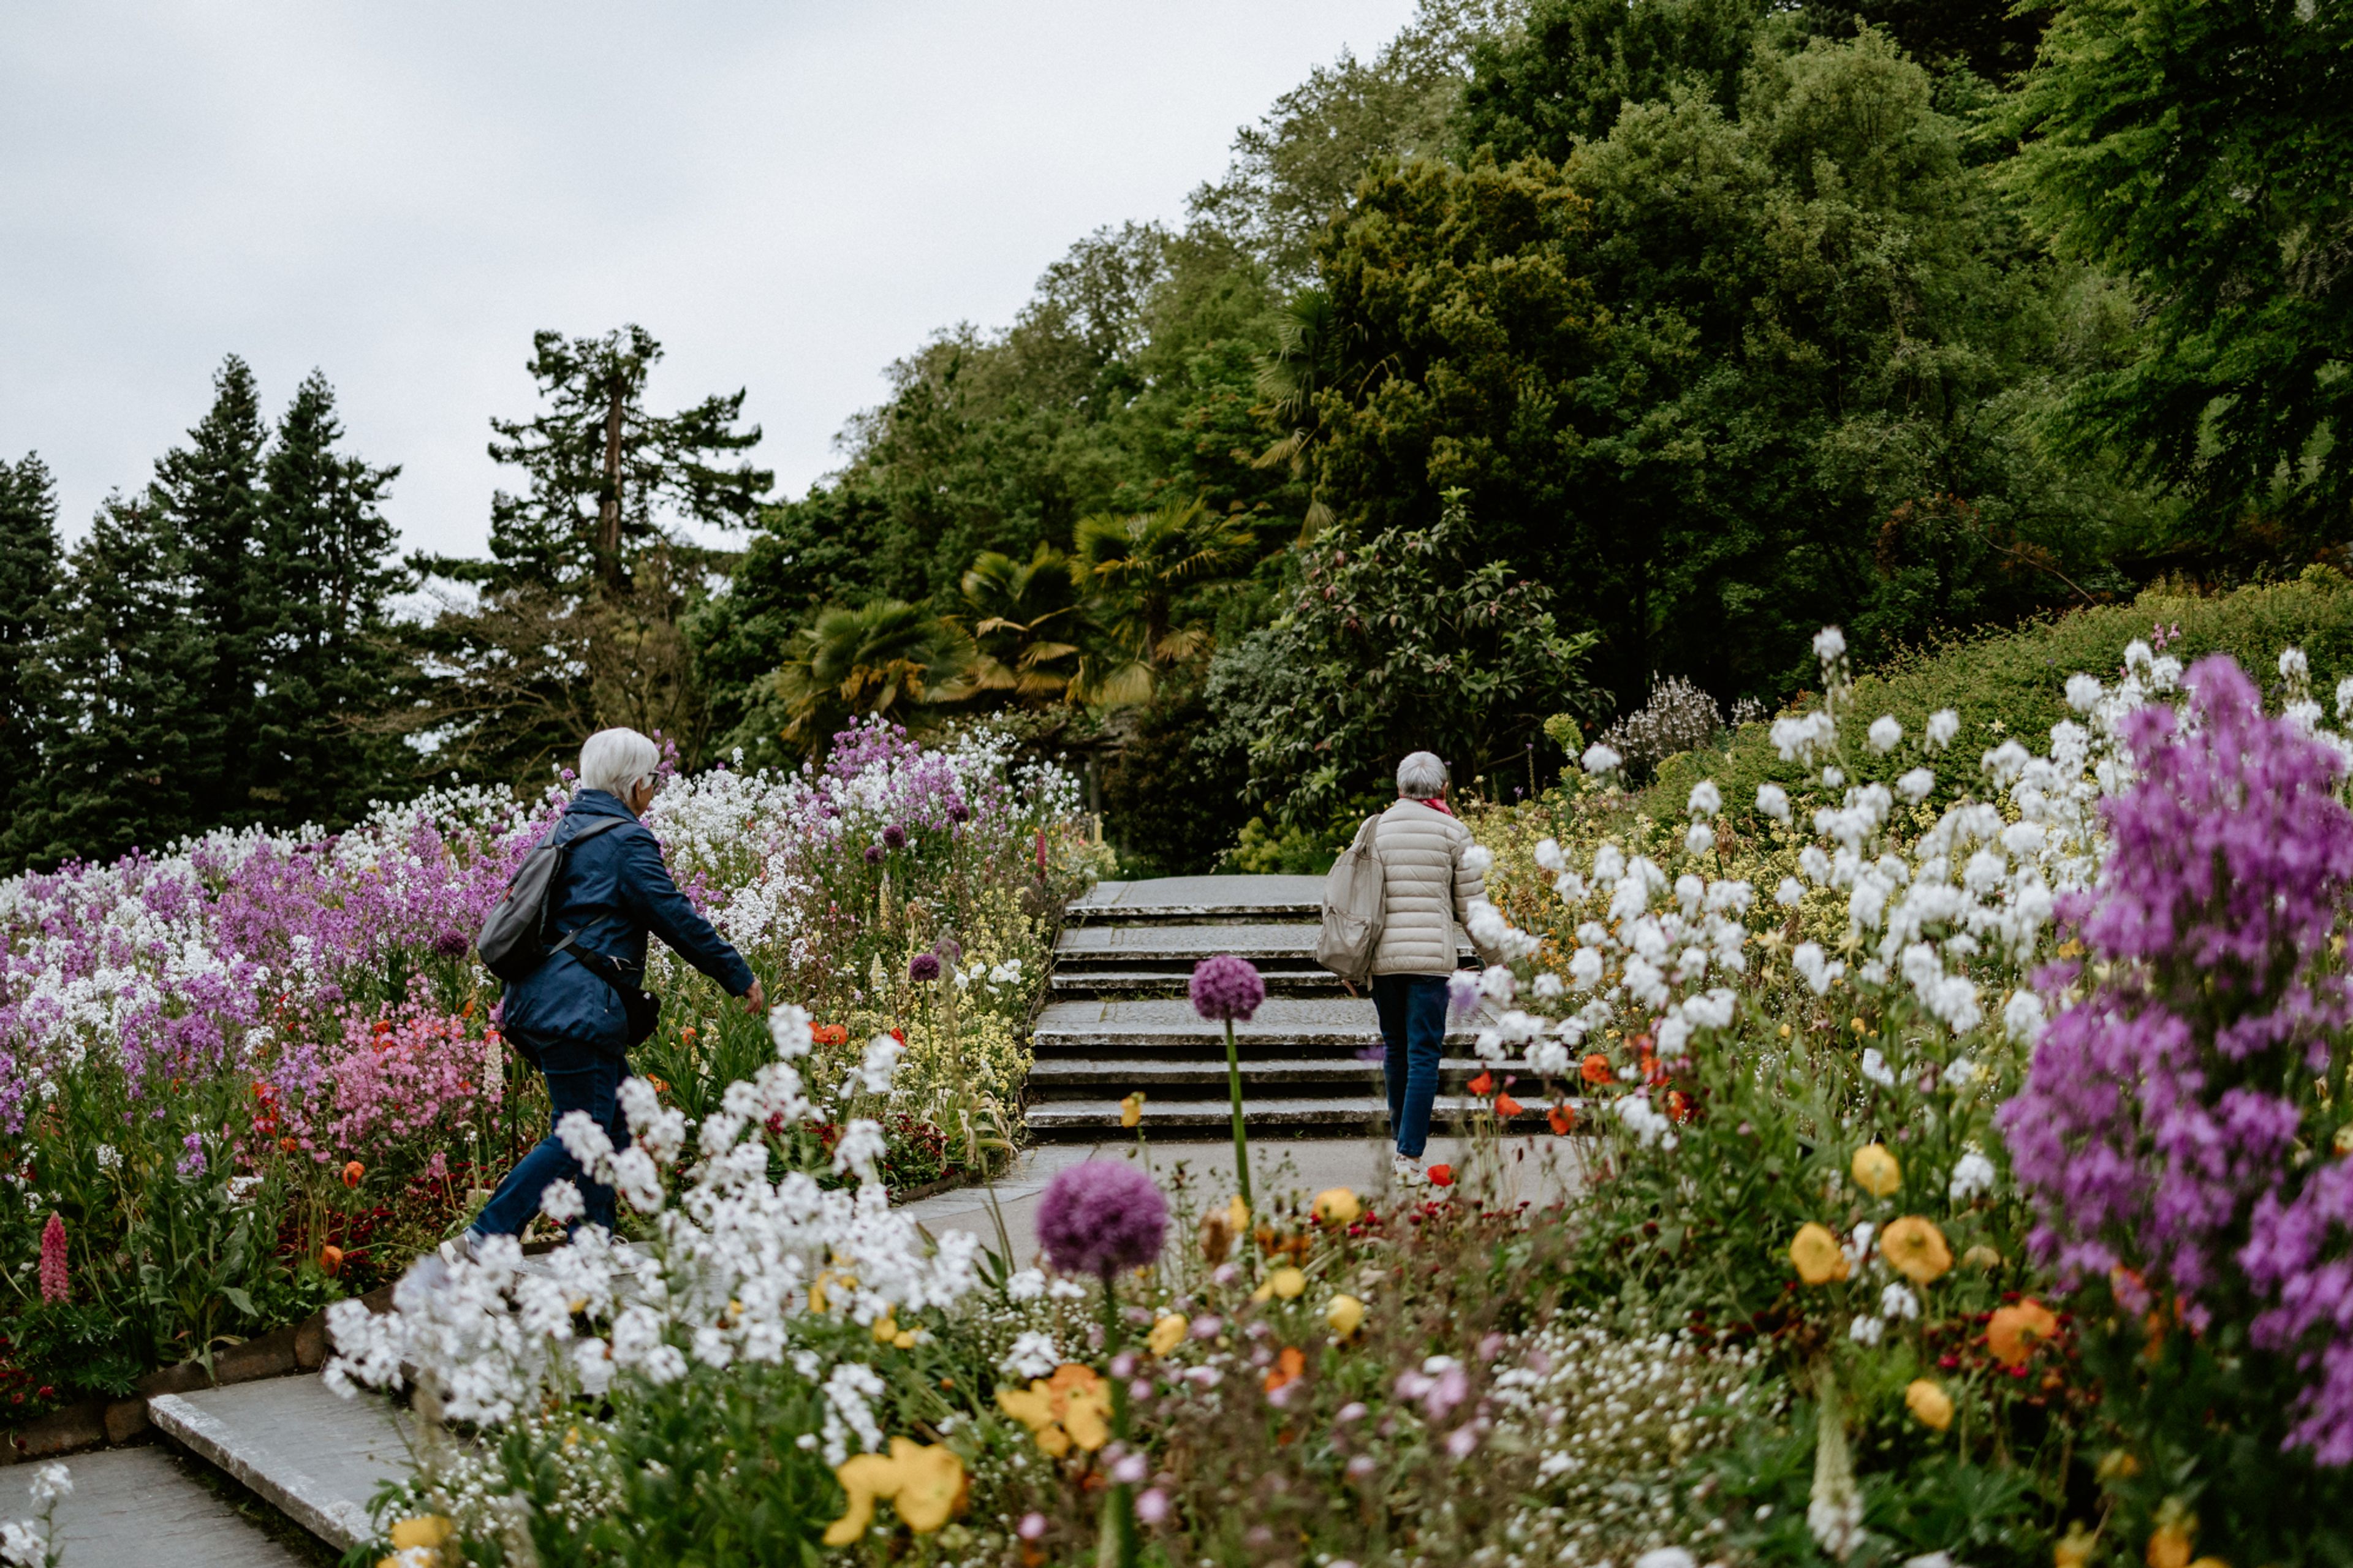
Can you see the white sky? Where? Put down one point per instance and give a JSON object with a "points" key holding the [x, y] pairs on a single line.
{"points": [[789, 195]]}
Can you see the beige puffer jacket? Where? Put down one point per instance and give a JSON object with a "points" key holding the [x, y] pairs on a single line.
{"points": [[1426, 891]]}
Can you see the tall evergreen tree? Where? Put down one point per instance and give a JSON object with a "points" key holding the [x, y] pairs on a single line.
{"points": [[577, 622], [322, 576], [28, 574], [210, 491], [129, 666]]}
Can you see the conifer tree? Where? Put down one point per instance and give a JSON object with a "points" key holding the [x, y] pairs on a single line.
{"points": [[28, 574], [211, 497], [128, 666], [330, 666]]}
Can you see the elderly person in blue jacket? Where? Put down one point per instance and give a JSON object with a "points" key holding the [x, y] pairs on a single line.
{"points": [[571, 1015]]}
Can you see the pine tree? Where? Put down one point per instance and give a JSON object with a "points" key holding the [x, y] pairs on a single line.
{"points": [[210, 493], [129, 666], [576, 624], [322, 576], [28, 574]]}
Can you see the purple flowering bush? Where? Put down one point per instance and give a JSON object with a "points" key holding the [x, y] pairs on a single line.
{"points": [[257, 1072], [2180, 1132]]}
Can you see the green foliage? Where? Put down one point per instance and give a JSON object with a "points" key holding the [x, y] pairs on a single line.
{"points": [[1729, 375], [29, 574], [886, 657], [1405, 641], [2199, 153], [2008, 684]]}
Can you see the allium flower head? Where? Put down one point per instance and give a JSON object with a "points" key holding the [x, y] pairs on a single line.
{"points": [[923, 968], [451, 945], [1101, 1217], [1225, 988], [894, 837]]}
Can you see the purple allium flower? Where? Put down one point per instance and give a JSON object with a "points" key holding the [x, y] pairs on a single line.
{"points": [[874, 854], [1227, 988], [1101, 1216], [959, 812], [894, 837], [923, 968], [451, 945]]}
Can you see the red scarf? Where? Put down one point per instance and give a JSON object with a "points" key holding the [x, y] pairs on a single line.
{"points": [[1435, 804]]}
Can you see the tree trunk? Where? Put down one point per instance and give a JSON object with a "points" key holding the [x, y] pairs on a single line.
{"points": [[608, 511]]}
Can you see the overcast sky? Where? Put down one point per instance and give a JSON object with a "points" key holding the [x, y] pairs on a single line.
{"points": [[788, 194]]}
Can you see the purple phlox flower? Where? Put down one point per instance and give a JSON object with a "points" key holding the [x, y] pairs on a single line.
{"points": [[1462, 994], [923, 968], [1100, 1217], [192, 1164], [1225, 988]]}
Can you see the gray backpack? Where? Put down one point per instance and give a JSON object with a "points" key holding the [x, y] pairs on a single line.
{"points": [[1354, 898], [514, 937]]}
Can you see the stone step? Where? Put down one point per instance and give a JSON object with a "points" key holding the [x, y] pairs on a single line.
{"points": [[142, 1508], [1138, 981], [1067, 1076], [1334, 1114], [1139, 946], [1315, 1026], [314, 1455], [1176, 900]]}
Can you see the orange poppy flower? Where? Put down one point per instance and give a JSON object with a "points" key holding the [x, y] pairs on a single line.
{"points": [[330, 1260], [1595, 1068], [1507, 1106], [2014, 1331], [1562, 1119], [1288, 1368], [352, 1171], [1441, 1175], [1484, 1085]]}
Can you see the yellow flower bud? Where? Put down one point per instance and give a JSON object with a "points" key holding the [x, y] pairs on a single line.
{"points": [[1927, 1400], [1167, 1334], [1347, 1315], [1288, 1283]]}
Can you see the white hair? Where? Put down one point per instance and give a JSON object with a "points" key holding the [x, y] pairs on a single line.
{"points": [[617, 761], [1421, 776]]}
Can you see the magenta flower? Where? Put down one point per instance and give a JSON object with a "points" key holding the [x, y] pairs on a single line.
{"points": [[1225, 988], [452, 945], [1101, 1217], [56, 1285], [923, 968]]}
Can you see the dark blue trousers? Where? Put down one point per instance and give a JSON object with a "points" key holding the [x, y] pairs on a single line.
{"points": [[1412, 1009], [579, 1078]]}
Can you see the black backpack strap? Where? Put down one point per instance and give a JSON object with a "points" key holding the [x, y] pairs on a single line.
{"points": [[601, 824]]}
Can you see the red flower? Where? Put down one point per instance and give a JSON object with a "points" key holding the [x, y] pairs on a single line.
{"points": [[1484, 1085], [1441, 1175], [829, 1033], [1595, 1068], [1507, 1108], [352, 1171], [1562, 1119]]}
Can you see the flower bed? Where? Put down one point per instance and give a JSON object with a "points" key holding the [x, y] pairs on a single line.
{"points": [[1964, 1178], [261, 1072]]}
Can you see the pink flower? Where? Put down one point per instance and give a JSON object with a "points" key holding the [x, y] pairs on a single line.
{"points": [[1100, 1217], [54, 1284], [1225, 988]]}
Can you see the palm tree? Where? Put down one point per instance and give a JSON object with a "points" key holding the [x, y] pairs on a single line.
{"points": [[1307, 357], [1142, 569], [885, 657], [1023, 613]]}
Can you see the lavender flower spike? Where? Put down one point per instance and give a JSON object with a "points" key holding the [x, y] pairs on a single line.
{"points": [[1225, 988], [1101, 1217]]}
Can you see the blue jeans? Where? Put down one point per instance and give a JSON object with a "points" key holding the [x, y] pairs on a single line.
{"points": [[1412, 1009], [580, 1077]]}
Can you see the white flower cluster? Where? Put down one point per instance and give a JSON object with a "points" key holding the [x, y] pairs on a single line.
{"points": [[734, 1261]]}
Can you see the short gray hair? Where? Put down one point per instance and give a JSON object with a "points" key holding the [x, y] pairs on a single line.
{"points": [[1421, 776], [617, 761]]}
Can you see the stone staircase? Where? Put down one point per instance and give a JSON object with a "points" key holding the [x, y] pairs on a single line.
{"points": [[1116, 1018]]}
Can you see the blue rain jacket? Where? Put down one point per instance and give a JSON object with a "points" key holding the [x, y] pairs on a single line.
{"points": [[613, 890]]}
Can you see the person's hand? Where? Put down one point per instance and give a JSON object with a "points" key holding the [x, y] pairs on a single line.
{"points": [[755, 1000], [1348, 986]]}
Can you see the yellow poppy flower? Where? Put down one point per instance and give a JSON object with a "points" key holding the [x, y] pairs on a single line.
{"points": [[1928, 1401], [1167, 1334], [1337, 1205], [1876, 1172], [925, 1482], [1287, 1282], [1131, 1109], [1347, 1315], [1915, 1248], [2074, 1549], [1817, 1254], [428, 1530], [865, 1477], [886, 1329]]}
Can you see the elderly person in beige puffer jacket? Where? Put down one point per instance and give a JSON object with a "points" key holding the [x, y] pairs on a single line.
{"points": [[1428, 894]]}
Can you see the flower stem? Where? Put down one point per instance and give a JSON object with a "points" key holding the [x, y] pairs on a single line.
{"points": [[1117, 1546], [1242, 1143]]}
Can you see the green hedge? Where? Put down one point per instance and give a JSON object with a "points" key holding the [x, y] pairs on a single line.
{"points": [[2011, 684]]}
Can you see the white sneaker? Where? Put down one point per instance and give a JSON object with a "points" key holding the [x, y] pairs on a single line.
{"points": [[1406, 1171]]}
